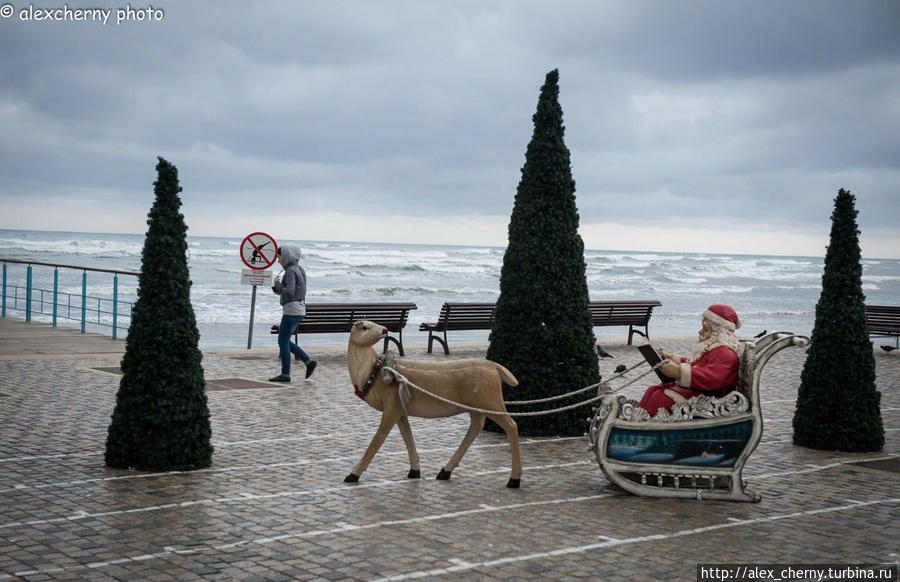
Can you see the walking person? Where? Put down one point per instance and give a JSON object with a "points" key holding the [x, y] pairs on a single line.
{"points": [[292, 289]]}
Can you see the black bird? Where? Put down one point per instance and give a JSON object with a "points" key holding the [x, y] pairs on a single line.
{"points": [[603, 353], [620, 368], [760, 334], [885, 348]]}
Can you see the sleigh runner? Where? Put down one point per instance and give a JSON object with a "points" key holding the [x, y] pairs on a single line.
{"points": [[699, 447]]}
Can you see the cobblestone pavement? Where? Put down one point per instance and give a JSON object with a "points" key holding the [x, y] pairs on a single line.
{"points": [[273, 506]]}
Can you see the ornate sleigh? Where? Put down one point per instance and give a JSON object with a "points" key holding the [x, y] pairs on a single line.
{"points": [[697, 448]]}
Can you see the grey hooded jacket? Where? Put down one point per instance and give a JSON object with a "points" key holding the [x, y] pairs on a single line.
{"points": [[292, 285]]}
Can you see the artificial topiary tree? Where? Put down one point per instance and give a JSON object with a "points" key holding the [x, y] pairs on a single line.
{"points": [[542, 326], [161, 419], [837, 403]]}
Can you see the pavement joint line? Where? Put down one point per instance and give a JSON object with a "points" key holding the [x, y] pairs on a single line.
{"points": [[814, 468], [263, 441], [458, 562], [341, 527], [54, 456], [243, 497], [19, 487], [215, 444], [639, 539]]}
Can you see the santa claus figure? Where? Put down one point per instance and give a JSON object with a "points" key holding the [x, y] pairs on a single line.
{"points": [[712, 368]]}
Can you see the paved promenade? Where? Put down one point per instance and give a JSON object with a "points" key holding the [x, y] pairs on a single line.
{"points": [[273, 506]]}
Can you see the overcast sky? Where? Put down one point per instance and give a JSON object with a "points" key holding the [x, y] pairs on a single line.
{"points": [[719, 126]]}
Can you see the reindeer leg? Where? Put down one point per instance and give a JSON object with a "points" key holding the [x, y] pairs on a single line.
{"points": [[389, 418], [512, 433], [406, 432], [475, 426]]}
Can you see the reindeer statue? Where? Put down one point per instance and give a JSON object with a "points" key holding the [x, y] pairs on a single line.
{"points": [[473, 383]]}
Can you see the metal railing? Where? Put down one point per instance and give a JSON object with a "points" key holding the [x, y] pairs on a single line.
{"points": [[100, 311]]}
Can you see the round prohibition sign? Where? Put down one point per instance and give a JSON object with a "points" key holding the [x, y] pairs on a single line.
{"points": [[258, 251]]}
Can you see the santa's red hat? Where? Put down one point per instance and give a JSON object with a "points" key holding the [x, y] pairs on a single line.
{"points": [[722, 315]]}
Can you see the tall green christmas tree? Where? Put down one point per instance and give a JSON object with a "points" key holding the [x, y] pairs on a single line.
{"points": [[161, 419], [542, 326], [838, 407]]}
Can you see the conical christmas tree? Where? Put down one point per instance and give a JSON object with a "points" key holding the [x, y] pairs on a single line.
{"points": [[838, 407], [161, 419], [542, 326]]}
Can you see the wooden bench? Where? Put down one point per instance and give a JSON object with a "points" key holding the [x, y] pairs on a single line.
{"points": [[884, 321], [339, 318], [459, 316], [630, 313], [698, 448], [469, 316]]}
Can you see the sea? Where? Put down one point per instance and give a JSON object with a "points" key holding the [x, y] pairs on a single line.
{"points": [[770, 293]]}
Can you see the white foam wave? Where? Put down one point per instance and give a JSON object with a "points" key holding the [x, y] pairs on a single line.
{"points": [[710, 290], [99, 248]]}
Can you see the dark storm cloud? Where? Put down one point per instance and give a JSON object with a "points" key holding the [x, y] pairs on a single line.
{"points": [[744, 111]]}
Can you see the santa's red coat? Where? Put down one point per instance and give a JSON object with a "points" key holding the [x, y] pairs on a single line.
{"points": [[714, 374]]}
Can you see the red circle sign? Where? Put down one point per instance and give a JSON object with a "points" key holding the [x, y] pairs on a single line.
{"points": [[258, 251]]}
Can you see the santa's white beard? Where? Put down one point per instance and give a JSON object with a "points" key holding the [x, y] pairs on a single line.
{"points": [[718, 337]]}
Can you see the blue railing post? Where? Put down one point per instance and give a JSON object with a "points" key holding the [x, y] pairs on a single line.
{"points": [[83, 300], [28, 295], [115, 302], [11, 294], [55, 293]]}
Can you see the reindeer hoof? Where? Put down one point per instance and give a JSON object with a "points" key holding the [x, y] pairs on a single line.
{"points": [[444, 475], [414, 474], [513, 483], [351, 478]]}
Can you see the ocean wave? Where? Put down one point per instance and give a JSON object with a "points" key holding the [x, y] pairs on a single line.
{"points": [[798, 287], [329, 292], [394, 268], [711, 290], [777, 292], [613, 293], [106, 248], [404, 291], [202, 253], [793, 312], [237, 291]]}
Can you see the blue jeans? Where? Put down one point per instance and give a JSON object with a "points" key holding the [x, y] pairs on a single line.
{"points": [[285, 346]]}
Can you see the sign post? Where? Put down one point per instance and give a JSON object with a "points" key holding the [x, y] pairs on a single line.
{"points": [[258, 251]]}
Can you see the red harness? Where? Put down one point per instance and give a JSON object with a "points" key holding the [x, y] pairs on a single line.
{"points": [[379, 363]]}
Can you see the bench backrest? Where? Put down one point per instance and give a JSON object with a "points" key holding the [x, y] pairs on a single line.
{"points": [[339, 317], [466, 316], [883, 318], [610, 313]]}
